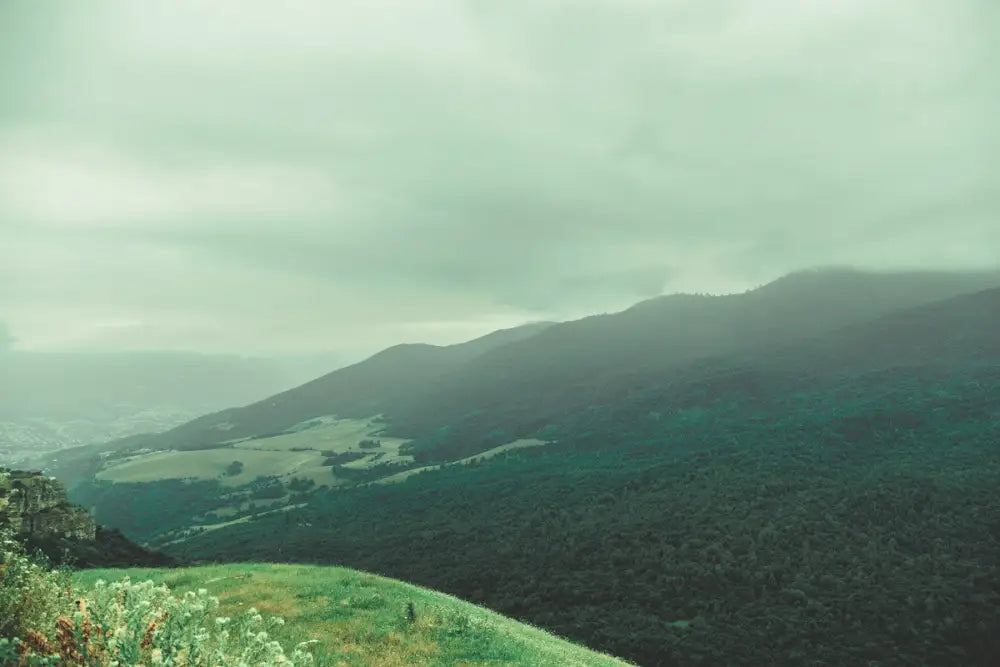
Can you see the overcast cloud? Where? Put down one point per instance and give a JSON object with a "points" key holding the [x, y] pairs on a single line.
{"points": [[266, 177]]}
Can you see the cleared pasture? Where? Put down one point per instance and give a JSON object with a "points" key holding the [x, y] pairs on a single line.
{"points": [[211, 464], [489, 453], [329, 434], [296, 454]]}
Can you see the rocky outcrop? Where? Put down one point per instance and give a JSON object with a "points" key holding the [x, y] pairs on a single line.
{"points": [[35, 505]]}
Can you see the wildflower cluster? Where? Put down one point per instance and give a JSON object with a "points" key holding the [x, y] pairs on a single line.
{"points": [[122, 623], [141, 623], [32, 595]]}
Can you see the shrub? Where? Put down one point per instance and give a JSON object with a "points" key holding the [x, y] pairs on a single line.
{"points": [[123, 623], [300, 484], [267, 488], [335, 458], [32, 595], [10, 655]]}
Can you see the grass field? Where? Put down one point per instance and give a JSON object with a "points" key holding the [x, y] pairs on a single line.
{"points": [[489, 453], [295, 454], [359, 619], [330, 434], [211, 464]]}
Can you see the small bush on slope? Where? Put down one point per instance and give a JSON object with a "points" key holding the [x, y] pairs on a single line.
{"points": [[31, 594], [360, 620]]}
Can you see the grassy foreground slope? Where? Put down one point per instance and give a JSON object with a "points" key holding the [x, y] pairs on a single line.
{"points": [[356, 618]]}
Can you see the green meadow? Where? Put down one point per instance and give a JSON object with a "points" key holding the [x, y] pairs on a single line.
{"points": [[300, 453], [352, 618]]}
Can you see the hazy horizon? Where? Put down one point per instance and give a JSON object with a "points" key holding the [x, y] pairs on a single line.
{"points": [[246, 178]]}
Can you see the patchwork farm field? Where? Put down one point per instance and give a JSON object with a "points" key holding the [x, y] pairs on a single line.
{"points": [[275, 474], [211, 464], [300, 453], [328, 434]]}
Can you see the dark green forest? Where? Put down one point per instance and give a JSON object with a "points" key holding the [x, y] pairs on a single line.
{"points": [[746, 519], [824, 498]]}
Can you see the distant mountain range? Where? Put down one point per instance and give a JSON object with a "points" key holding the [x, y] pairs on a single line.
{"points": [[49, 401]]}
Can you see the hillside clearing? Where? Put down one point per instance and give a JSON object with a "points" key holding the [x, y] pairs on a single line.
{"points": [[334, 435], [488, 454], [300, 453], [329, 435], [210, 464]]}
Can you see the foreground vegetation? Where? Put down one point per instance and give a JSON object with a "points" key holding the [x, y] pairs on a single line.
{"points": [[243, 615], [348, 617], [44, 621]]}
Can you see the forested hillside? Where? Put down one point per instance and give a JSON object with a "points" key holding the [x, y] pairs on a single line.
{"points": [[510, 383], [785, 502]]}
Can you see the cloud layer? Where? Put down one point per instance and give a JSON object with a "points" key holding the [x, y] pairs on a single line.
{"points": [[254, 177]]}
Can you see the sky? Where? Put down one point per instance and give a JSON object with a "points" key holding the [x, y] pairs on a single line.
{"points": [[277, 178]]}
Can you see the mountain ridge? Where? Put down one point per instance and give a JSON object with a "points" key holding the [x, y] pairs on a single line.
{"points": [[522, 371], [690, 509]]}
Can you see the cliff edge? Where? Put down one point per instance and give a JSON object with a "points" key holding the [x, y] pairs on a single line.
{"points": [[36, 509], [35, 506]]}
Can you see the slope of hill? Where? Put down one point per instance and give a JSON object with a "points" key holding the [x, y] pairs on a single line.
{"points": [[867, 509], [520, 387], [722, 514], [360, 390], [354, 618], [953, 333], [456, 401]]}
